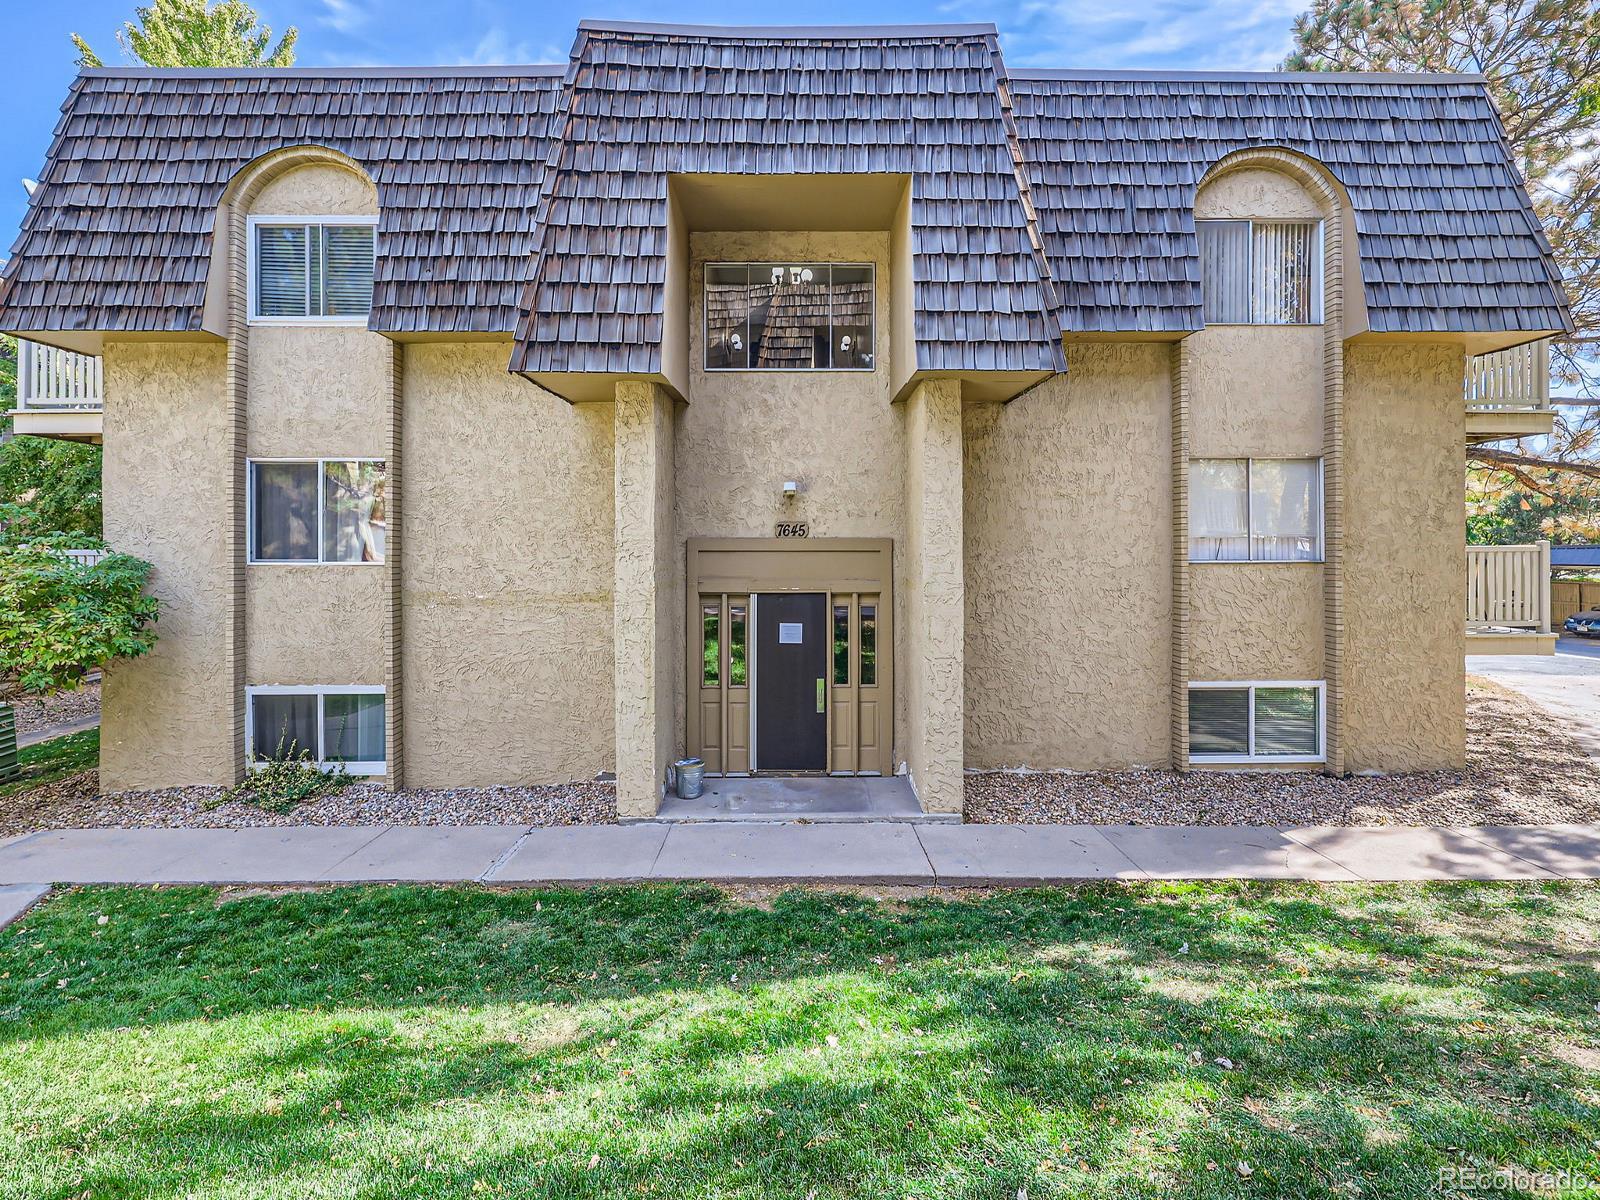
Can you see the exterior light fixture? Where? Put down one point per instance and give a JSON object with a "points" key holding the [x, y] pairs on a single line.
{"points": [[844, 344], [790, 489], [777, 275], [736, 342], [805, 275]]}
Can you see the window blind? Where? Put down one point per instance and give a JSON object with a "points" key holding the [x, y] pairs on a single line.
{"points": [[313, 270], [281, 271]]}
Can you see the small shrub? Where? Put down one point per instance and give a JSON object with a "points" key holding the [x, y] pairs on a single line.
{"points": [[289, 778]]}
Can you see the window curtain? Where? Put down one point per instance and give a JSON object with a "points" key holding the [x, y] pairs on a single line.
{"points": [[1224, 271], [352, 728], [1286, 508], [283, 726], [1282, 260], [353, 523], [1219, 512], [284, 511]]}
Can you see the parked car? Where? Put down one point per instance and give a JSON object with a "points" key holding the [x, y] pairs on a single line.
{"points": [[1584, 624]]}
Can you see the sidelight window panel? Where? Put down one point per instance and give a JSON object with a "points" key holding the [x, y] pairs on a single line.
{"points": [[1255, 510], [1260, 272], [340, 726], [841, 644], [737, 670], [1256, 722], [318, 511], [311, 271], [789, 316], [869, 645], [711, 645]]}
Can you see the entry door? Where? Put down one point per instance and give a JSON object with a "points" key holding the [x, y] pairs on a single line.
{"points": [[791, 682]]}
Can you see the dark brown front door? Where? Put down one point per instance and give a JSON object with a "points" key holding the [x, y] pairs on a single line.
{"points": [[791, 682]]}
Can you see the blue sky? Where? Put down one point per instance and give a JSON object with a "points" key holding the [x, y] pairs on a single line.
{"points": [[37, 59]]}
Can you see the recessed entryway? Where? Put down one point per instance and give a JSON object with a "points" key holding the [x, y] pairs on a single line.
{"points": [[809, 798], [789, 652]]}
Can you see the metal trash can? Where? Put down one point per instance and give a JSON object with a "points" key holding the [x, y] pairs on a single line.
{"points": [[689, 775], [10, 768]]}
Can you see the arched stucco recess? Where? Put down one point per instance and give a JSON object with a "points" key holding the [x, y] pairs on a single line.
{"points": [[226, 295], [1330, 196]]}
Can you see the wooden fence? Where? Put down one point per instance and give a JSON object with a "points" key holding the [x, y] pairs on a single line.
{"points": [[1568, 596]]}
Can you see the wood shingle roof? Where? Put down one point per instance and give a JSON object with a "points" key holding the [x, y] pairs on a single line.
{"points": [[534, 199]]}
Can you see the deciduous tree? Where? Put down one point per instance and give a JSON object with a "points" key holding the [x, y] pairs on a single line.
{"points": [[195, 33]]}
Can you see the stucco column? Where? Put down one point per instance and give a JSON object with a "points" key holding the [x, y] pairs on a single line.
{"points": [[935, 595], [643, 628]]}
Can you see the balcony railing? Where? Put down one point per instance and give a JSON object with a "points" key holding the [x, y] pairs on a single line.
{"points": [[1514, 380], [1508, 587], [52, 380]]}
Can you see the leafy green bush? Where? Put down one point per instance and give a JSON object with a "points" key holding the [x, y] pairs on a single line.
{"points": [[289, 778], [61, 619]]}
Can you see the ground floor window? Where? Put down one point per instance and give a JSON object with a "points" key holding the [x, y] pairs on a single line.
{"points": [[1266, 722], [336, 725]]}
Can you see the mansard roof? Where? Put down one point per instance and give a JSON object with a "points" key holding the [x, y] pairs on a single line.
{"points": [[534, 199]]}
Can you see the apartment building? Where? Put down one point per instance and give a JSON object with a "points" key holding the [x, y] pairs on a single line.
{"points": [[827, 400]]}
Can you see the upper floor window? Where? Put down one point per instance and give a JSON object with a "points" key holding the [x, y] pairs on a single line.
{"points": [[321, 511], [311, 272], [1255, 510], [1261, 272], [789, 316]]}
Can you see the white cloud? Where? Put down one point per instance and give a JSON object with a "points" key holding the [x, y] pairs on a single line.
{"points": [[343, 16], [496, 48], [1239, 35]]}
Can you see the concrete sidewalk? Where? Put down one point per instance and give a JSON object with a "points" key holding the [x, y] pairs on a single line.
{"points": [[868, 853]]}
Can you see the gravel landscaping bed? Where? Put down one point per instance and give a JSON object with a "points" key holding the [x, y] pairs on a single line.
{"points": [[76, 803], [1521, 770], [35, 713]]}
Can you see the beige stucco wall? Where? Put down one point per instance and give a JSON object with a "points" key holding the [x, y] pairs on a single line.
{"points": [[1255, 192], [935, 603], [318, 392], [166, 717], [1405, 558], [315, 624], [645, 619], [506, 575], [1255, 391], [1068, 567], [834, 432], [1256, 621]]}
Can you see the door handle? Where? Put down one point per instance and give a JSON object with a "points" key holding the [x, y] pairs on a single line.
{"points": [[822, 695]]}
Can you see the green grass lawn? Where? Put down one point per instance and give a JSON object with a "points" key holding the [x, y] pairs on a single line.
{"points": [[679, 1042], [46, 762]]}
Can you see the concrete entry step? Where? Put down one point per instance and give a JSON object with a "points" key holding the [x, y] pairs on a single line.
{"points": [[831, 798]]}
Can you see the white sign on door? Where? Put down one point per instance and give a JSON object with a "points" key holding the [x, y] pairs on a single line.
{"points": [[789, 633]]}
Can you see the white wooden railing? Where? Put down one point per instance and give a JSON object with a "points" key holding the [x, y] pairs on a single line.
{"points": [[1508, 587], [1515, 380], [52, 380], [86, 558]]}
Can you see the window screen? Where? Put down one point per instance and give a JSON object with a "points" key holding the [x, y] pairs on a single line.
{"points": [[283, 726], [311, 270], [1255, 510], [1258, 272], [322, 511], [1255, 721], [789, 316]]}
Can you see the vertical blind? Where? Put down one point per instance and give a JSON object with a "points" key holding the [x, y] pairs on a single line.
{"points": [[1258, 272], [313, 270]]}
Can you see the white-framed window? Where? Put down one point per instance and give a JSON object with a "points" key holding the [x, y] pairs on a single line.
{"points": [[340, 724], [310, 270], [317, 510], [790, 316], [1255, 510], [1261, 272], [1260, 721]]}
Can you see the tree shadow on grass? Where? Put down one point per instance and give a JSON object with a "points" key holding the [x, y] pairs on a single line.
{"points": [[1000, 1034]]}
